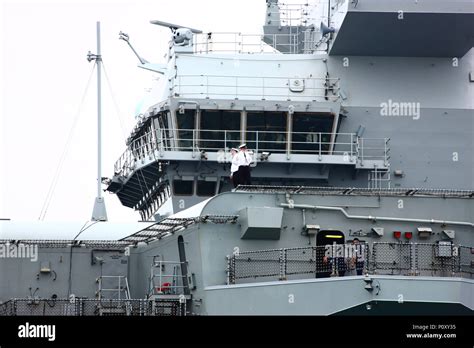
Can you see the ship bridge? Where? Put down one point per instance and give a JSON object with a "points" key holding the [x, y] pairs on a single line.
{"points": [[184, 148], [287, 108]]}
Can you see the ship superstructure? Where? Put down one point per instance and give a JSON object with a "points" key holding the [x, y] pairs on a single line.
{"points": [[359, 117]]}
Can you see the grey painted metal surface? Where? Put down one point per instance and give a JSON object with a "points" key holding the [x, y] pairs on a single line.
{"points": [[310, 119], [329, 296]]}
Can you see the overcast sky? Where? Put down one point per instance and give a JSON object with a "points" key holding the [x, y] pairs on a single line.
{"points": [[43, 78]]}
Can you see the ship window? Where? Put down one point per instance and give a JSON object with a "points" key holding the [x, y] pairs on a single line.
{"points": [[183, 187], [310, 131], [206, 188], [185, 126], [163, 120], [269, 128], [160, 125], [219, 129]]}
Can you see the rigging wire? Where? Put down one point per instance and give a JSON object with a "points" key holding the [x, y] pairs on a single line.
{"points": [[114, 100], [83, 228], [62, 159]]}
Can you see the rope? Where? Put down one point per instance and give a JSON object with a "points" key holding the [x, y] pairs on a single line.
{"points": [[114, 100], [62, 159]]}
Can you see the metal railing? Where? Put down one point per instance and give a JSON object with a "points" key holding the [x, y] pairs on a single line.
{"points": [[251, 87], [294, 14], [121, 291], [92, 307], [410, 259], [168, 283], [347, 145], [298, 17], [359, 191], [238, 43], [320, 261], [439, 259]]}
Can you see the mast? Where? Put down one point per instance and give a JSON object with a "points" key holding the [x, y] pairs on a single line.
{"points": [[99, 212]]}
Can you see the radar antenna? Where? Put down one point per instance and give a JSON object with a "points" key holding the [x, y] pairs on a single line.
{"points": [[175, 27], [182, 36]]}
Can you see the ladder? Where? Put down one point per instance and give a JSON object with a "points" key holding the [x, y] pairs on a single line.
{"points": [[113, 300], [122, 290], [379, 178]]}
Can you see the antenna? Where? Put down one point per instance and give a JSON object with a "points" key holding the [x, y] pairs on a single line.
{"points": [[175, 27], [99, 213], [126, 38]]}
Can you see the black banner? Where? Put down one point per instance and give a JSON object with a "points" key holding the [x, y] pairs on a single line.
{"points": [[292, 331]]}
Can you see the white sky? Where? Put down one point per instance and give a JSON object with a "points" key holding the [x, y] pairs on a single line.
{"points": [[44, 75]]}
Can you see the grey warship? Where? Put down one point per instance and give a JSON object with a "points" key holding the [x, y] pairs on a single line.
{"points": [[359, 118]]}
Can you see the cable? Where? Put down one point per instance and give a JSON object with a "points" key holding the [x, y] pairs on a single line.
{"points": [[83, 228], [56, 176], [114, 100]]}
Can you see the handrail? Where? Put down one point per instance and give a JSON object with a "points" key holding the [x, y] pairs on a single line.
{"points": [[236, 86], [237, 42], [125, 288], [155, 142], [414, 259], [167, 282]]}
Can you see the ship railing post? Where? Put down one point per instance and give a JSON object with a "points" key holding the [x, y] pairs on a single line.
{"points": [[289, 135], [282, 260], [352, 145], [228, 270], [374, 257], [256, 142], [161, 276], [320, 139], [225, 141], [233, 275], [193, 145], [160, 142]]}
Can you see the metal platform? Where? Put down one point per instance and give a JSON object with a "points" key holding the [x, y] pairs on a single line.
{"points": [[399, 192], [113, 244], [169, 226]]}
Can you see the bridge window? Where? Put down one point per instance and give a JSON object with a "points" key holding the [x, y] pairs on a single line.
{"points": [[268, 129], [183, 187], [219, 129], [185, 126], [310, 131], [206, 188]]}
